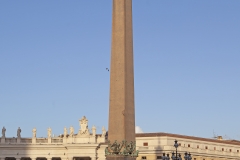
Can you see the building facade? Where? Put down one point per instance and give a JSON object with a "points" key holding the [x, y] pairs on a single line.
{"points": [[152, 146], [71, 145], [85, 144]]}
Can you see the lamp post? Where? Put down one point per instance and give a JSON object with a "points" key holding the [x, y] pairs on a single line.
{"points": [[176, 156]]}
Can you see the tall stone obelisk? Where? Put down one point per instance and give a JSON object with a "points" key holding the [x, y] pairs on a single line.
{"points": [[121, 106]]}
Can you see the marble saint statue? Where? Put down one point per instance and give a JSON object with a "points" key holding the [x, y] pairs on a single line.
{"points": [[65, 132], [94, 130], [3, 132], [103, 131], [34, 131], [49, 132], [71, 131], [19, 132]]}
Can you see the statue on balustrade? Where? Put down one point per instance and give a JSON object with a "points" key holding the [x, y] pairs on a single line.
{"points": [[49, 132], [34, 131], [71, 131], [103, 131], [65, 132], [19, 132], [94, 131], [3, 132], [83, 126]]}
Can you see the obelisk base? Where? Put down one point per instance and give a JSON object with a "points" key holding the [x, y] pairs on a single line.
{"points": [[114, 157]]}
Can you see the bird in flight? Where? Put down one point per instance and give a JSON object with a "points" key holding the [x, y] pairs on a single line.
{"points": [[107, 69]]}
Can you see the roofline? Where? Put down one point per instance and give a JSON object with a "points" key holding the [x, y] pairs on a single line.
{"points": [[162, 134]]}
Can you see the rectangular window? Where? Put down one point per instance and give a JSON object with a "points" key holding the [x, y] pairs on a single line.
{"points": [[159, 157], [222, 149], [214, 148], [197, 146], [188, 145], [145, 144], [179, 144], [195, 158], [237, 150], [230, 150], [144, 157], [206, 147]]}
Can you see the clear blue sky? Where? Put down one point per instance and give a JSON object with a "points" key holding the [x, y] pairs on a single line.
{"points": [[53, 56]]}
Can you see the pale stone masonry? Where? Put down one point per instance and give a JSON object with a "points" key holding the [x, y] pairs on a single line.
{"points": [[153, 145], [84, 144]]}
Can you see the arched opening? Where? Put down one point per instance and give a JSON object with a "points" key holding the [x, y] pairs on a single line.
{"points": [[10, 158], [26, 158], [81, 158], [41, 158], [56, 158]]}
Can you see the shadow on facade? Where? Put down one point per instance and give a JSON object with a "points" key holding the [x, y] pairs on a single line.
{"points": [[158, 149]]}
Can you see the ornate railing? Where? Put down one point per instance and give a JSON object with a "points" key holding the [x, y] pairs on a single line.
{"points": [[57, 140], [42, 140], [26, 140], [11, 140]]}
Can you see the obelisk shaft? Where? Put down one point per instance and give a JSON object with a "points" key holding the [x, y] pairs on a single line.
{"points": [[121, 105]]}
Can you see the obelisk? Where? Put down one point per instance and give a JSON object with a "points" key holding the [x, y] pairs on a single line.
{"points": [[121, 104]]}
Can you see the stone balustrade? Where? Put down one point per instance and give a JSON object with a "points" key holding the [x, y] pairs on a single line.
{"points": [[84, 135], [54, 140], [81, 144], [41, 140]]}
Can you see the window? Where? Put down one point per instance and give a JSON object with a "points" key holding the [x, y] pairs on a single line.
{"points": [[230, 150], [188, 145], [195, 158], [145, 144], [159, 157], [222, 149], [214, 148], [206, 147], [144, 157], [179, 144], [237, 150], [197, 146]]}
